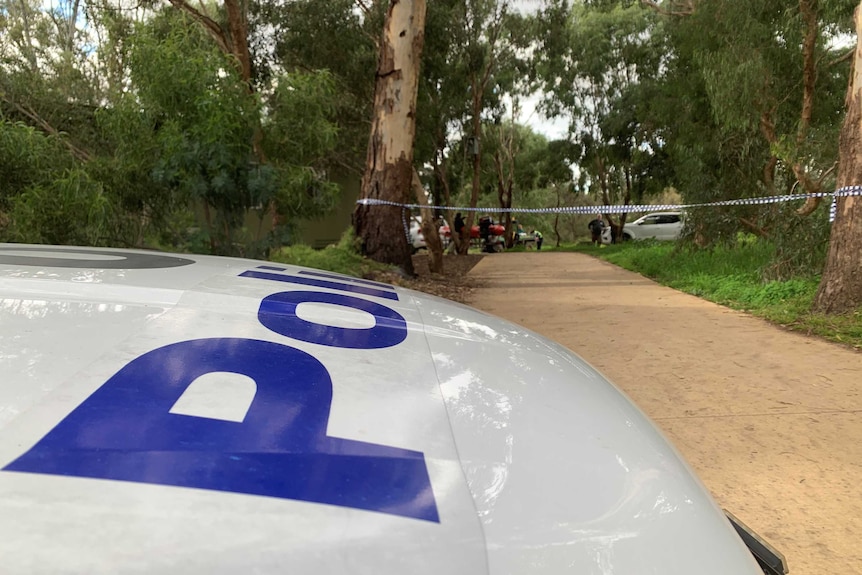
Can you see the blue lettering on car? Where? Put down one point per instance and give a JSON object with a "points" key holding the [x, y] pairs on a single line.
{"points": [[278, 313], [125, 430]]}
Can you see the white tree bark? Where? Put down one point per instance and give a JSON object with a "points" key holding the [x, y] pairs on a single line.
{"points": [[389, 164]]}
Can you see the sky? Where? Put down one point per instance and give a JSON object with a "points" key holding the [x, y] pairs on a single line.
{"points": [[551, 128]]}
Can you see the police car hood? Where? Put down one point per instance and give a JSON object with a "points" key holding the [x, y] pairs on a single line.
{"points": [[190, 414]]}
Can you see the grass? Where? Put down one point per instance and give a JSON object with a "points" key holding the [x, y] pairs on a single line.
{"points": [[732, 276], [341, 258]]}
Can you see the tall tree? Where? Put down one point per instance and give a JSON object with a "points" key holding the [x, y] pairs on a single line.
{"points": [[598, 63], [389, 165], [486, 29], [442, 105], [841, 285], [762, 81]]}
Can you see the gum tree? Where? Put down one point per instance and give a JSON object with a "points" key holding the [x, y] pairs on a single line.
{"points": [[389, 165], [841, 285]]}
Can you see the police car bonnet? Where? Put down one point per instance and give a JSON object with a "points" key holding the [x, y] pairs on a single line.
{"points": [[188, 414]]}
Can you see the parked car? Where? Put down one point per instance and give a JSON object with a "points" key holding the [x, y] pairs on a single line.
{"points": [[417, 238], [659, 226], [184, 414], [607, 235]]}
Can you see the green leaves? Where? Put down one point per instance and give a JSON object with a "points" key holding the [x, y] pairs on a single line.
{"points": [[148, 124], [71, 209], [299, 127], [27, 158]]}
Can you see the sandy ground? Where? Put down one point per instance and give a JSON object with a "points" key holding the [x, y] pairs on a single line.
{"points": [[770, 420]]}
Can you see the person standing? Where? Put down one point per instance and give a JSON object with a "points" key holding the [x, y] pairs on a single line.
{"points": [[539, 239], [596, 226], [459, 223]]}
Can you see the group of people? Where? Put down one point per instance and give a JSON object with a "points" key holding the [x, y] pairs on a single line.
{"points": [[596, 227], [459, 224], [519, 232]]}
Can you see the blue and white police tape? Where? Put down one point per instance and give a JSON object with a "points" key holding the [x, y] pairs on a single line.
{"points": [[620, 209]]}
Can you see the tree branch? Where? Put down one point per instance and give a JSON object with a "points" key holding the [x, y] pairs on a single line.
{"points": [[495, 34], [843, 58], [30, 113], [211, 26], [809, 73], [366, 10], [29, 53]]}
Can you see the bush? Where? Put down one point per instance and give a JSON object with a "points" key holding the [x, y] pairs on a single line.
{"points": [[342, 257], [70, 210]]}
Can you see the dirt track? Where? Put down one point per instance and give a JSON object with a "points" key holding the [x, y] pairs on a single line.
{"points": [[771, 420]]}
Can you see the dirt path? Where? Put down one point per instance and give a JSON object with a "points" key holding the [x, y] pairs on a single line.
{"points": [[771, 420]]}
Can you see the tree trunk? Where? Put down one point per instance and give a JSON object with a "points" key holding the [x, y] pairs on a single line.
{"points": [[557, 215], [429, 229], [476, 151], [808, 10], [841, 285], [389, 164], [442, 180]]}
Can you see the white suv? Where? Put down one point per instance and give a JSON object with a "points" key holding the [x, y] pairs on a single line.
{"points": [[659, 226]]}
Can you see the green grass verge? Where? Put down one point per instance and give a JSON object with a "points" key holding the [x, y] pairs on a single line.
{"points": [[341, 258], [732, 276]]}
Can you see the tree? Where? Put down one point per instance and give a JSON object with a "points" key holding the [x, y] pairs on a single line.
{"points": [[598, 64], [305, 36], [47, 78], [486, 28], [231, 35], [209, 134], [44, 195], [389, 165], [761, 80], [442, 103], [841, 285], [159, 121]]}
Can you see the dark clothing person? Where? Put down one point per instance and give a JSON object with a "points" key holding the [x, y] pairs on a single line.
{"points": [[459, 223], [485, 228], [485, 234], [596, 226], [539, 239]]}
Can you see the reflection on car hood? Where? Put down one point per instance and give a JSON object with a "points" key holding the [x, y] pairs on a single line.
{"points": [[191, 414]]}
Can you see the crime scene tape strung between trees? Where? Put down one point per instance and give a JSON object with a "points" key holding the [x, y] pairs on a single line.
{"points": [[621, 209]]}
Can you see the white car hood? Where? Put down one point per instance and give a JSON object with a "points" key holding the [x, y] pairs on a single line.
{"points": [[374, 430]]}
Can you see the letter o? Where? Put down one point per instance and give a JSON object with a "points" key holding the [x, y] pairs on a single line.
{"points": [[278, 313]]}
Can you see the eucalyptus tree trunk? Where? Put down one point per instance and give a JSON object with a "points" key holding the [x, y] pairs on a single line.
{"points": [[841, 286], [389, 163], [429, 229]]}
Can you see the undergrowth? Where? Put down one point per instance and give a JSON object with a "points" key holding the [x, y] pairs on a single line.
{"points": [[343, 258]]}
